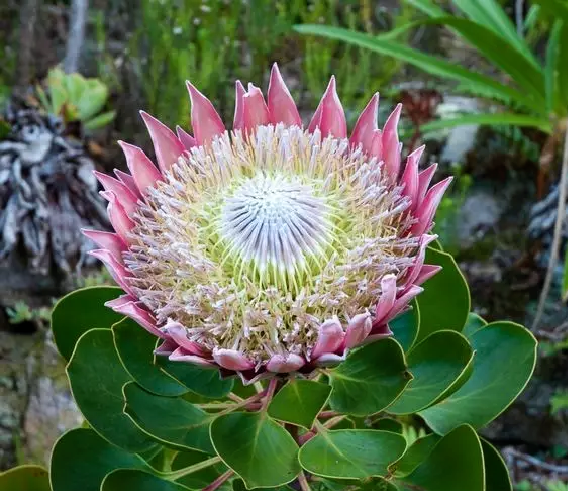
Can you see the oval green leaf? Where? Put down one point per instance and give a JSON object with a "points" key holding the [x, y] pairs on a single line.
{"points": [[504, 362], [456, 462], [437, 364], [415, 454], [405, 327], [445, 301], [257, 448], [79, 312], [96, 377], [299, 402], [206, 382], [370, 379], [496, 472], [351, 454], [170, 420], [25, 478], [81, 460], [474, 323], [135, 347], [136, 480]]}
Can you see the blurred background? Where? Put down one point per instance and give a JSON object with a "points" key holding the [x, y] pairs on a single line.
{"points": [[484, 85]]}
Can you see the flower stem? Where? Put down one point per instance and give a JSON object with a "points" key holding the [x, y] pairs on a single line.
{"points": [[269, 394], [175, 475], [327, 414], [219, 481], [243, 403], [303, 482]]}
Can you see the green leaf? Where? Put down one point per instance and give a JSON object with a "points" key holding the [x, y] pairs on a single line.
{"points": [[438, 365], [136, 480], [496, 472], [504, 361], [428, 7], [473, 324], [556, 8], [299, 402], [81, 460], [100, 121], [135, 347], [370, 379], [97, 376], [455, 463], [491, 119], [445, 301], [351, 454], [80, 311], [551, 66], [206, 382], [415, 454], [257, 448], [180, 424], [490, 14], [25, 478], [430, 64], [199, 479], [92, 100], [406, 325], [523, 71]]}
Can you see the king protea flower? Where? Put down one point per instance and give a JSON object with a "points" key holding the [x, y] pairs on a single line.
{"points": [[271, 248]]}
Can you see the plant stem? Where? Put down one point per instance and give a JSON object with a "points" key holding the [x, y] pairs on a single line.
{"points": [[327, 414], [330, 423], [219, 481], [243, 403], [175, 475], [269, 393], [303, 482], [557, 236]]}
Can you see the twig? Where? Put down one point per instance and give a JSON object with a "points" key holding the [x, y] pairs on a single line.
{"points": [[557, 236], [558, 469], [219, 481], [76, 35], [303, 482], [327, 414]]}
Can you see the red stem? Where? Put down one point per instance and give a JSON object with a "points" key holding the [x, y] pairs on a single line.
{"points": [[219, 481]]}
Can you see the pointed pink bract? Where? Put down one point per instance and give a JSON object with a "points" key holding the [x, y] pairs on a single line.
{"points": [[166, 144], [329, 116], [207, 124], [281, 105]]}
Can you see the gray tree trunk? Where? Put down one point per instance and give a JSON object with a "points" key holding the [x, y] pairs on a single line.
{"points": [[78, 19]]}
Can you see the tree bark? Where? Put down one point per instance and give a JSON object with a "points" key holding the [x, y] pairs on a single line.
{"points": [[77, 22]]}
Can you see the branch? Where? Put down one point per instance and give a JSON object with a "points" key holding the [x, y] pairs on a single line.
{"points": [[78, 19], [557, 236]]}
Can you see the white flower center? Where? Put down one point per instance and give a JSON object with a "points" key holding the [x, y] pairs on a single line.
{"points": [[277, 227]]}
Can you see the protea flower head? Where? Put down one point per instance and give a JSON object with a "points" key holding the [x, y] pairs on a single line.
{"points": [[270, 248]]}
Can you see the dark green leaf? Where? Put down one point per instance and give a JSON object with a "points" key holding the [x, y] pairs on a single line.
{"points": [[496, 472], [445, 302], [25, 478], [135, 348], [97, 376], [351, 454], [203, 381], [81, 459], [437, 365], [239, 485], [135, 480], [430, 64], [80, 311], [415, 455], [503, 363], [370, 379], [199, 479], [565, 279], [455, 463], [388, 424], [473, 324], [257, 448], [299, 402], [405, 326], [551, 67], [180, 424]]}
